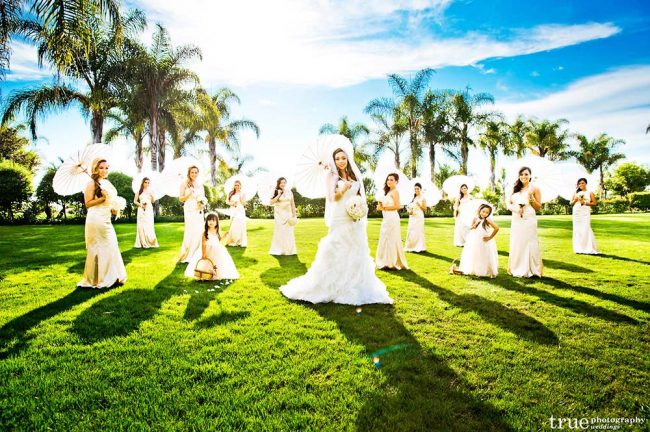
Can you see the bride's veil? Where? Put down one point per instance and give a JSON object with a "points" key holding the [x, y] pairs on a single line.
{"points": [[333, 178]]}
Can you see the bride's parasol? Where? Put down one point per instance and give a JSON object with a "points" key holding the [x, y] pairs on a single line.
{"points": [[313, 165], [266, 183], [452, 185], [248, 185], [175, 173], [74, 173], [155, 183], [430, 192], [545, 174]]}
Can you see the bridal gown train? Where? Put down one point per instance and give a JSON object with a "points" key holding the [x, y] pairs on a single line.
{"points": [[342, 271]]}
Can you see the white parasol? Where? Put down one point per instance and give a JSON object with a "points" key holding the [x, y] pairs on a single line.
{"points": [[266, 183], [430, 192], [248, 185], [571, 172], [313, 165], [452, 185], [74, 173], [175, 174], [155, 183], [545, 174], [470, 210], [404, 185]]}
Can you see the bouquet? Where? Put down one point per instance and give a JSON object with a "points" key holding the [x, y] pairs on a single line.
{"points": [[356, 208], [117, 204], [202, 203], [410, 208], [521, 201], [582, 195]]}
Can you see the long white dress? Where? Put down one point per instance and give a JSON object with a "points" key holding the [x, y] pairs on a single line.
{"points": [[145, 236], [104, 266], [194, 225], [584, 241], [525, 259], [219, 256], [284, 241], [390, 253], [479, 258], [342, 271], [415, 233], [237, 223], [460, 226]]}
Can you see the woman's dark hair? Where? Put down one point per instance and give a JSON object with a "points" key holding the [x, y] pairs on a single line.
{"points": [[578, 182], [276, 192], [414, 195], [386, 188], [232, 192], [460, 191], [348, 168], [211, 216], [95, 176], [142, 186], [485, 224], [518, 184]]}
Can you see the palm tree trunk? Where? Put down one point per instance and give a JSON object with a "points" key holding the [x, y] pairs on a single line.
{"points": [[602, 183], [212, 150], [97, 126], [397, 160], [161, 148], [153, 138], [139, 157], [432, 161], [493, 162], [414, 157], [464, 151]]}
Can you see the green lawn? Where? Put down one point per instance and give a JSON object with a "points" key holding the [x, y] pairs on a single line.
{"points": [[457, 353]]}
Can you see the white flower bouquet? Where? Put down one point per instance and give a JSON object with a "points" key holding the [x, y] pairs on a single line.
{"points": [[201, 203], [583, 196], [117, 204], [356, 208]]}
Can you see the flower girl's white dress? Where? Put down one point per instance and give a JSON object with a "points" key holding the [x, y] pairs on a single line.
{"points": [[479, 258]]}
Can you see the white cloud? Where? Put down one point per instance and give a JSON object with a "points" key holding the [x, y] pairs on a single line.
{"points": [[338, 43], [24, 64]]}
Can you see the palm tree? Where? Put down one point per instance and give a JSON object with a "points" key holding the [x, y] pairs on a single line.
{"points": [[98, 67], [389, 135], [128, 126], [597, 154], [215, 120], [494, 140], [409, 102], [436, 130], [547, 139], [362, 155], [465, 115], [444, 172], [518, 130]]}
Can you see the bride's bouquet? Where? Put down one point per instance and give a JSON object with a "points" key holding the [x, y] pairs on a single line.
{"points": [[357, 207]]}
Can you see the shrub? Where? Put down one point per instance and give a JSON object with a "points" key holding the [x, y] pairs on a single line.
{"points": [[640, 200], [15, 188], [122, 183], [612, 205]]}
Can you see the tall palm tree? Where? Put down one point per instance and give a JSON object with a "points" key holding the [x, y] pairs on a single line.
{"points": [[215, 121], [98, 67], [518, 129], [362, 155], [466, 115], [597, 154], [547, 139], [444, 172], [495, 139], [436, 131], [389, 135], [409, 101], [128, 126]]}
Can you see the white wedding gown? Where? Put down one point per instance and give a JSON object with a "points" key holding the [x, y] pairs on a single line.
{"points": [[342, 271]]}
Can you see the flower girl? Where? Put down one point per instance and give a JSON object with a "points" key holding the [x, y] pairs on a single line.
{"points": [[212, 249], [479, 256]]}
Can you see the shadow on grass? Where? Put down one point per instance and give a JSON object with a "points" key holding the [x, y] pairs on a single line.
{"points": [[577, 306], [620, 258], [432, 255], [420, 391], [491, 311], [558, 265], [123, 313], [14, 335]]}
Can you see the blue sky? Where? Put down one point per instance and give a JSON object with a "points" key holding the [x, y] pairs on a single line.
{"points": [[297, 65]]}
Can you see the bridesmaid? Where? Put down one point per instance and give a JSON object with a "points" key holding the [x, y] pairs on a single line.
{"points": [[193, 198], [525, 259], [390, 253], [104, 266], [237, 201], [415, 233], [460, 228], [584, 241], [284, 212], [145, 236], [480, 256]]}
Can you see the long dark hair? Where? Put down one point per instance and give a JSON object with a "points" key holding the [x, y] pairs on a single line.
{"points": [[460, 191], [518, 184], [578, 183], [232, 192], [386, 188], [189, 170], [414, 186], [144, 179], [211, 216], [348, 168], [95, 176], [485, 223], [277, 187]]}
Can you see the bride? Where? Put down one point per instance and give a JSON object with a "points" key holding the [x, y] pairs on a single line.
{"points": [[342, 271]]}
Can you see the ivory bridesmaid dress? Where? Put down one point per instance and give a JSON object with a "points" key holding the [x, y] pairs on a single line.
{"points": [[525, 259], [145, 236], [584, 241], [194, 225], [390, 253], [104, 266], [415, 232], [284, 242], [460, 226], [237, 222]]}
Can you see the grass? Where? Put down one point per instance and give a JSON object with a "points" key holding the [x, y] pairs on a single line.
{"points": [[457, 353]]}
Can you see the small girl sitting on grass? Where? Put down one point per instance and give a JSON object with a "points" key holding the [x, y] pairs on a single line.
{"points": [[479, 256]]}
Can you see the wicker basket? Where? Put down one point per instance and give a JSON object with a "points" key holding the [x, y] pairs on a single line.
{"points": [[205, 270]]}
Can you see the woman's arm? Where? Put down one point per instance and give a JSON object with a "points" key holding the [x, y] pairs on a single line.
{"points": [[185, 193], [574, 199], [203, 252], [136, 200], [339, 193], [396, 204], [89, 196], [456, 205], [536, 199], [294, 213], [592, 198], [495, 230], [423, 204], [277, 198]]}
